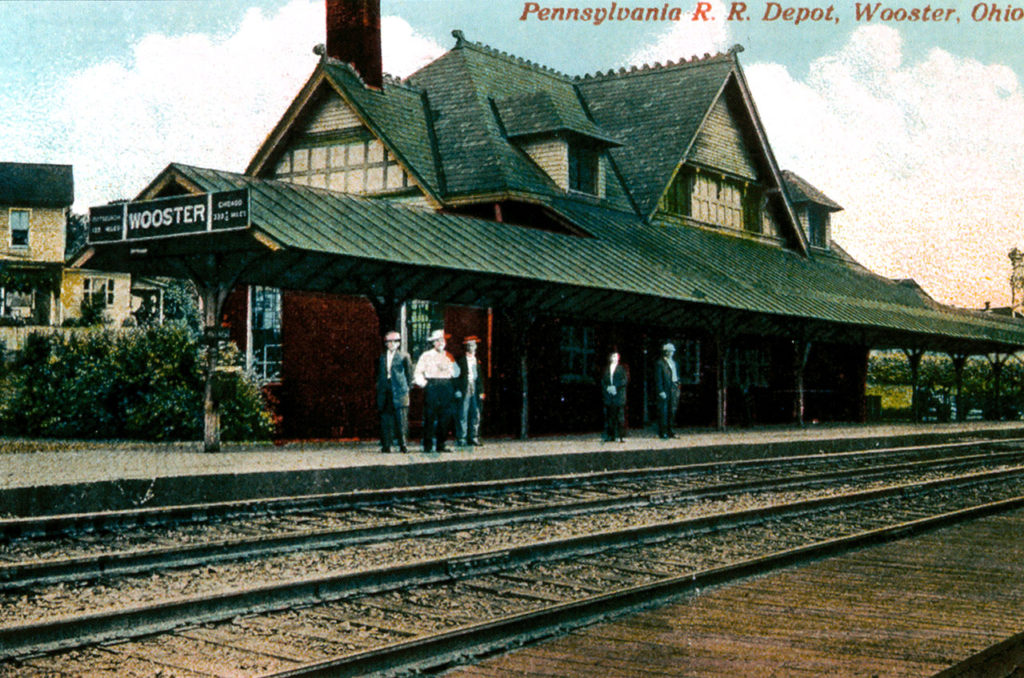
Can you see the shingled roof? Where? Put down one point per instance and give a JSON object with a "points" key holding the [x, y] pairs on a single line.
{"points": [[801, 191], [675, 268], [36, 185]]}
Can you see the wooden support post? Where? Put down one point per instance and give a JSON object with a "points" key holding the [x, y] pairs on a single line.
{"points": [[998, 360], [389, 311], [521, 322], [959, 360], [801, 351], [914, 358], [213, 297], [722, 381]]}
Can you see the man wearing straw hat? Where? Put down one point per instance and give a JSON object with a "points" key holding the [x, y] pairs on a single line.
{"points": [[436, 372], [394, 380]]}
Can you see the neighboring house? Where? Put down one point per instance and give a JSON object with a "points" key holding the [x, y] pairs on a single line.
{"points": [[34, 204], [36, 289], [556, 217]]}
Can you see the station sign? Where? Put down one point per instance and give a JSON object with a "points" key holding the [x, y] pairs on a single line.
{"points": [[167, 217]]}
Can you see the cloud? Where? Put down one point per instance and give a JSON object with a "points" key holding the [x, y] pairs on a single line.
{"points": [[686, 39], [922, 154], [199, 99]]}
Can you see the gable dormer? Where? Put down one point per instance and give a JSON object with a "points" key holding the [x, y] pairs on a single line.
{"points": [[333, 149], [813, 208], [556, 133]]}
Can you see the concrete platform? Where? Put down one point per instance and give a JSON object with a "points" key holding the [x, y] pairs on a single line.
{"points": [[39, 477]]}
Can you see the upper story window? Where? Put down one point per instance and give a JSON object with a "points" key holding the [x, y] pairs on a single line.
{"points": [[717, 200], [817, 227], [584, 169], [19, 228], [362, 166]]}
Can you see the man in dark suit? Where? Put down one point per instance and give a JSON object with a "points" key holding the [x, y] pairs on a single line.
{"points": [[666, 387], [469, 395], [613, 388], [394, 379]]}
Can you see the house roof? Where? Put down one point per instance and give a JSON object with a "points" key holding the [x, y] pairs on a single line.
{"points": [[36, 185], [801, 191], [677, 267]]}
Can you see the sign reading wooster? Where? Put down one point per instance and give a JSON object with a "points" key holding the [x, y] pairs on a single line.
{"points": [[179, 215]]}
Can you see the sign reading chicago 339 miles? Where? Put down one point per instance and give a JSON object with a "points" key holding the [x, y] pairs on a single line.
{"points": [[166, 217]]}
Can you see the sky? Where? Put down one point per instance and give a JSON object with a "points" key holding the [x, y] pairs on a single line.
{"points": [[915, 127]]}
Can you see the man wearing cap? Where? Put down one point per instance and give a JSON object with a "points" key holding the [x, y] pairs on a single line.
{"points": [[666, 386], [469, 394], [436, 372], [394, 379]]}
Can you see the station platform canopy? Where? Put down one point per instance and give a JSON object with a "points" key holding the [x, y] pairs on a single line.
{"points": [[622, 268]]}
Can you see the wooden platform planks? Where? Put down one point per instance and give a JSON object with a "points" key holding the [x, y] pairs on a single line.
{"points": [[911, 608]]}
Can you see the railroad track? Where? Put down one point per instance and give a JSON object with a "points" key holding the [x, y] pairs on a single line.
{"points": [[470, 602], [79, 562]]}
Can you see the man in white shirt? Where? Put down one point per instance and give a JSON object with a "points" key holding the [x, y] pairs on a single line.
{"points": [[469, 394], [436, 372]]}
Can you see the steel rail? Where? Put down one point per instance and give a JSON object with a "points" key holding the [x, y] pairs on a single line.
{"points": [[57, 525], [457, 646], [117, 563], [77, 630]]}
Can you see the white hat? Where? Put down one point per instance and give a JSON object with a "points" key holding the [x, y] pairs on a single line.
{"points": [[436, 335], [669, 346]]}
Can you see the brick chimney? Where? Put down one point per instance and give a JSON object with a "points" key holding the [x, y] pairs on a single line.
{"points": [[353, 36]]}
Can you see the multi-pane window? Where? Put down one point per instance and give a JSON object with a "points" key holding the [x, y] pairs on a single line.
{"points": [[817, 227], [584, 169], [19, 228], [266, 333], [717, 200], [361, 166], [688, 360], [422, 317], [578, 353], [99, 291], [748, 366]]}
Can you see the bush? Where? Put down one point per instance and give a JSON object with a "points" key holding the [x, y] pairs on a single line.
{"points": [[140, 384]]}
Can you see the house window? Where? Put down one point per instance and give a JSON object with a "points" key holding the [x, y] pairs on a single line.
{"points": [[266, 333], [99, 291], [578, 353], [817, 227], [422, 317], [584, 169], [19, 228]]}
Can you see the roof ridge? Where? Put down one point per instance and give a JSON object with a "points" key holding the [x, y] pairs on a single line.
{"points": [[462, 42], [657, 66]]}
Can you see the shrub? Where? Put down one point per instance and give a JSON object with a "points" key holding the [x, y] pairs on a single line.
{"points": [[140, 384]]}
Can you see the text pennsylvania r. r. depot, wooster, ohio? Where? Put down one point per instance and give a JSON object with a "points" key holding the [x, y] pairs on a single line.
{"points": [[863, 12]]}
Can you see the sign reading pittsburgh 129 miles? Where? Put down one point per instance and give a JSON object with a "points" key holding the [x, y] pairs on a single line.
{"points": [[165, 217]]}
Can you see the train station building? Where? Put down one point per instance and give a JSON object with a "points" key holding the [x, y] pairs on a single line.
{"points": [[556, 217]]}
